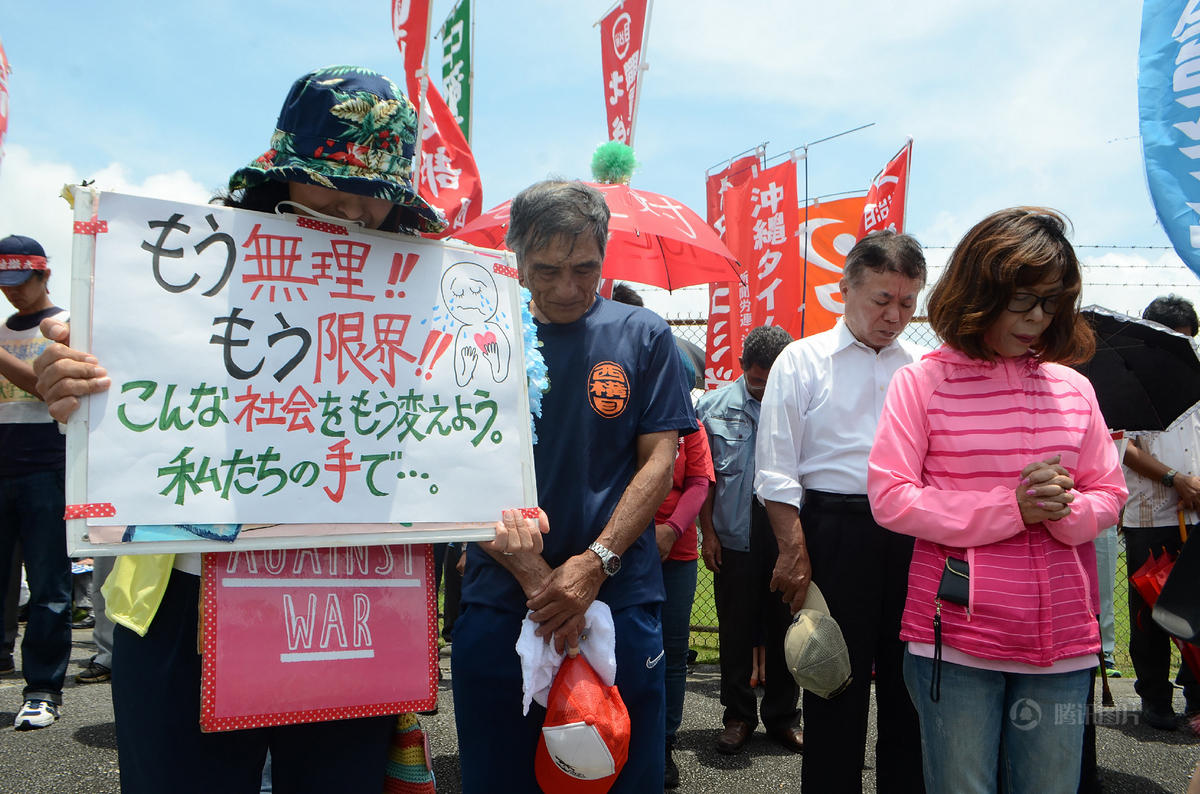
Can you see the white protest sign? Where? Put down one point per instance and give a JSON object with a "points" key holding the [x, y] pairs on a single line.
{"points": [[282, 370]]}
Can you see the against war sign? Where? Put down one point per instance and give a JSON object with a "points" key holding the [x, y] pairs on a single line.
{"points": [[316, 634]]}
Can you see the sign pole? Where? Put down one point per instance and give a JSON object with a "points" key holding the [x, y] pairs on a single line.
{"points": [[643, 67]]}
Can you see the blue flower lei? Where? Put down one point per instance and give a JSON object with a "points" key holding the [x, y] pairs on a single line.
{"points": [[535, 365]]}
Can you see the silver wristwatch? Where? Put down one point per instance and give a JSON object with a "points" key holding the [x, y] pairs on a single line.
{"points": [[610, 561]]}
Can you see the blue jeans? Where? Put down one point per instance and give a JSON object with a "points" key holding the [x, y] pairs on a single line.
{"points": [[679, 578], [1020, 732], [496, 744], [1107, 550], [102, 635], [31, 511]]}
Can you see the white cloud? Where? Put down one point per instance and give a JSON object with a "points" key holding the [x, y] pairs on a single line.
{"points": [[1003, 111], [31, 204]]}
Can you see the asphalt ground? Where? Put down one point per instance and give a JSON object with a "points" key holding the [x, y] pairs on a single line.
{"points": [[78, 753]]}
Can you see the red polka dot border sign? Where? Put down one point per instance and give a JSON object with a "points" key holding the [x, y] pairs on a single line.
{"points": [[310, 635]]}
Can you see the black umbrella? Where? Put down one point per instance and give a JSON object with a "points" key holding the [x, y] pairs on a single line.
{"points": [[1145, 375], [695, 356]]}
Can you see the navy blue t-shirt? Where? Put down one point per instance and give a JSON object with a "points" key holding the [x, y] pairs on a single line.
{"points": [[615, 374]]}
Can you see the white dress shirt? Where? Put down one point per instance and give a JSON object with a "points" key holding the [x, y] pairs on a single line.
{"points": [[1152, 504], [819, 413]]}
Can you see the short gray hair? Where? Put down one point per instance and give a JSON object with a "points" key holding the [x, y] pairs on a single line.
{"points": [[884, 251], [551, 209]]}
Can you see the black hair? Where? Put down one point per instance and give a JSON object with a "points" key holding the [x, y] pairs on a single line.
{"points": [[763, 345], [1173, 312], [623, 293], [885, 251]]}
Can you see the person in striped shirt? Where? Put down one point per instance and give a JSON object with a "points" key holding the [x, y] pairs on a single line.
{"points": [[992, 452]]}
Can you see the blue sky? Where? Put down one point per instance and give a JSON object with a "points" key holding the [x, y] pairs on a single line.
{"points": [[1017, 102]]}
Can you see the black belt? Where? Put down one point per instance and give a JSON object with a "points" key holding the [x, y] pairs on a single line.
{"points": [[853, 502]]}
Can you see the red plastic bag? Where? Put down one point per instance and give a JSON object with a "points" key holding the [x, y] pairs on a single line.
{"points": [[1149, 578]]}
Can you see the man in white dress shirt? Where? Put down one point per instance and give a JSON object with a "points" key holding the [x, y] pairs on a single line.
{"points": [[1159, 499], [819, 413]]}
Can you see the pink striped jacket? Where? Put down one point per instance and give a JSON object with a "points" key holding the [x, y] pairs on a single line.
{"points": [[953, 438]]}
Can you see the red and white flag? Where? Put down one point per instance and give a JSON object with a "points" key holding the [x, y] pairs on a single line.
{"points": [[762, 221], [725, 328], [887, 196], [4, 71], [410, 29], [446, 175], [621, 53]]}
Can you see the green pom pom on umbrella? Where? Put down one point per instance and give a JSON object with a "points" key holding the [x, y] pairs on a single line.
{"points": [[613, 163]]}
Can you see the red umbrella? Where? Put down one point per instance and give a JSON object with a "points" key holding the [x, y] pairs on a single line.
{"points": [[653, 239]]}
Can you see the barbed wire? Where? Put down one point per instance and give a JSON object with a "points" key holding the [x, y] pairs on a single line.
{"points": [[1112, 246]]}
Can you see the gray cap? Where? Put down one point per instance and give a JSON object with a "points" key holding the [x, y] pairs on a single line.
{"points": [[815, 650]]}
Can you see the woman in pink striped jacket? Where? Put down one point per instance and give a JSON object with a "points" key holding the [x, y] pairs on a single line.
{"points": [[991, 452]]}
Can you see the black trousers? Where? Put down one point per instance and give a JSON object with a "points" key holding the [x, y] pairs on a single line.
{"points": [[1149, 645], [445, 568], [746, 612], [862, 570], [156, 700], [8, 642]]}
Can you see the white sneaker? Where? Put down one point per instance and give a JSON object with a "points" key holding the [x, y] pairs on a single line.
{"points": [[36, 714]]}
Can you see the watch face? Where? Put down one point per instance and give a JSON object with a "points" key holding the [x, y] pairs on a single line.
{"points": [[610, 562]]}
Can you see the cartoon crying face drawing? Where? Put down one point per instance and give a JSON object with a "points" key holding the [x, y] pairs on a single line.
{"points": [[470, 296], [469, 293]]}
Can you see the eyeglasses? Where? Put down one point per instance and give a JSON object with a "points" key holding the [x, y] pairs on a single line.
{"points": [[1022, 302]]}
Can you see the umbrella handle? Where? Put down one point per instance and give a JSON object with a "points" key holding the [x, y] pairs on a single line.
{"points": [[1182, 527]]}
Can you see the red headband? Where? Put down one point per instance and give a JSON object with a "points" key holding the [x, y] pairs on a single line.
{"points": [[22, 262]]}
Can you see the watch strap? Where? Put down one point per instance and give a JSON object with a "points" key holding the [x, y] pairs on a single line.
{"points": [[610, 561]]}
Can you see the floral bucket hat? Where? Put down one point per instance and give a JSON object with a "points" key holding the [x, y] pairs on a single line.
{"points": [[347, 128]]}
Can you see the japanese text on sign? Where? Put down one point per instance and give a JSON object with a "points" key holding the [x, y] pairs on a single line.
{"points": [[291, 370]]}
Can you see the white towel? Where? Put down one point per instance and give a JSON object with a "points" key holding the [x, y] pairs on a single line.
{"points": [[540, 662]]}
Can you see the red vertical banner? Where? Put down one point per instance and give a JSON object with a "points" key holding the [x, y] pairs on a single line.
{"points": [[621, 37], [410, 29], [725, 331], [886, 199], [4, 72], [763, 221], [446, 175], [827, 236]]}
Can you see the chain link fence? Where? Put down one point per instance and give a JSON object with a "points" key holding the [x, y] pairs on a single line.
{"points": [[704, 612]]}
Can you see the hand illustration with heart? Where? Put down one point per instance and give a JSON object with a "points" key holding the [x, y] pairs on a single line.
{"points": [[470, 295]]}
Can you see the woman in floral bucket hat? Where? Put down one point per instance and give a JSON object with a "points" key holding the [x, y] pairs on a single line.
{"points": [[346, 130], [343, 148]]}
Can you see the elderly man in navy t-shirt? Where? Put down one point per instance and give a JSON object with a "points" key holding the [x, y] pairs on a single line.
{"points": [[607, 437]]}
